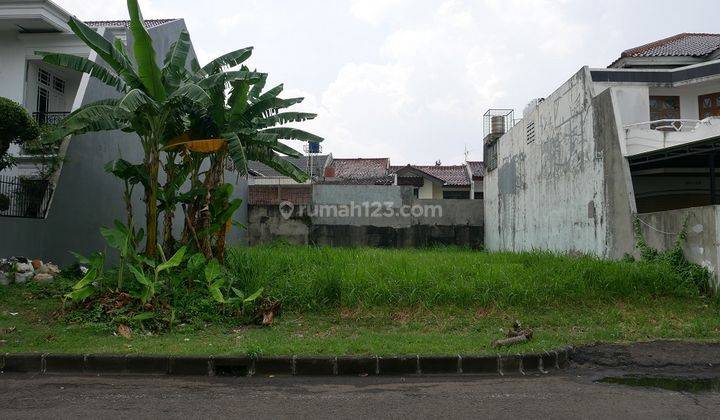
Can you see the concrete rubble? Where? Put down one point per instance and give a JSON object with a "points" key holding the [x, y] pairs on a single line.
{"points": [[21, 270]]}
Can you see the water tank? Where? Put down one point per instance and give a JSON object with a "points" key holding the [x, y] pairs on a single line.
{"points": [[497, 124]]}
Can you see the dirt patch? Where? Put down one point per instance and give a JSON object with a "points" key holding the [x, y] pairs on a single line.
{"points": [[653, 354]]}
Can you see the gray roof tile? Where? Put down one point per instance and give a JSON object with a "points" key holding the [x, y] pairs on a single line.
{"points": [[681, 45], [261, 170], [149, 23]]}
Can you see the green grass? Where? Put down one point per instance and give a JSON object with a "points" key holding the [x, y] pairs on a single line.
{"points": [[369, 301], [312, 278]]}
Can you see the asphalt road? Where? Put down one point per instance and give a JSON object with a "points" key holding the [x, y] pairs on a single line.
{"points": [[572, 394]]}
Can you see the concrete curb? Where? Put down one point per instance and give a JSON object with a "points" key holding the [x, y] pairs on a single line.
{"points": [[238, 366]]}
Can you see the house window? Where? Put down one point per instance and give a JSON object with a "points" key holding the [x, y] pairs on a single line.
{"points": [[43, 100], [456, 195], [44, 77], [709, 105], [479, 195], [59, 84], [664, 108]]}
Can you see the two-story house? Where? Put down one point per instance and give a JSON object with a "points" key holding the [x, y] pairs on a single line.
{"points": [[66, 212]]}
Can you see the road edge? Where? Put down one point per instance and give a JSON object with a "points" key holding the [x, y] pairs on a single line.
{"points": [[242, 366]]}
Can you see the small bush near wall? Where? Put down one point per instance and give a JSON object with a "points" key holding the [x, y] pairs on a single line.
{"points": [[16, 126]]}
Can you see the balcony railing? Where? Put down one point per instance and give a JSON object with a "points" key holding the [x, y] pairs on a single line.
{"points": [[49, 118], [669, 125], [653, 135], [27, 198]]}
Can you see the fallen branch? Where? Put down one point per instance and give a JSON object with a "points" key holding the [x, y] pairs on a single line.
{"points": [[520, 337]]}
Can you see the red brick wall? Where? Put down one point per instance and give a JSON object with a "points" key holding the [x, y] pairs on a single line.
{"points": [[276, 194]]}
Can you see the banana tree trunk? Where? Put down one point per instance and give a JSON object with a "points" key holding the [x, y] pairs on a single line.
{"points": [[169, 212], [152, 163], [212, 179], [190, 210], [221, 235]]}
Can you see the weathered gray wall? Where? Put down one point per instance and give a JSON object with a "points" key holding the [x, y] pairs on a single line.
{"points": [[661, 230], [619, 199], [341, 194], [569, 190], [87, 198], [266, 225], [449, 222]]}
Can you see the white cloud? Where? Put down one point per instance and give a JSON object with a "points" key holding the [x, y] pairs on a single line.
{"points": [[410, 79], [109, 10], [374, 11], [436, 77]]}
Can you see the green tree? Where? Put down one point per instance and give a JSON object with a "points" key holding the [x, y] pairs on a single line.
{"points": [[250, 123], [16, 126]]}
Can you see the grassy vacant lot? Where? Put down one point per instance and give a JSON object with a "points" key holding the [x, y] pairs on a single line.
{"points": [[369, 301]]}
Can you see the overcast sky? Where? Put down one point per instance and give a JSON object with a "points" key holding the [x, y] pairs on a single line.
{"points": [[411, 79]]}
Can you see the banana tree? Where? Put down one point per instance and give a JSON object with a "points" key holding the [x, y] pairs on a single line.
{"points": [[248, 123], [162, 105], [152, 104]]}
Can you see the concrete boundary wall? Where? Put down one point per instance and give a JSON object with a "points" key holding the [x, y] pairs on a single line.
{"points": [[547, 192], [361, 215]]}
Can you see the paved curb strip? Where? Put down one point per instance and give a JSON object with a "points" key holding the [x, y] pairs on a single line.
{"points": [[236, 366]]}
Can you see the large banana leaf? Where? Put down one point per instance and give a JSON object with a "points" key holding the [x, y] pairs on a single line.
{"points": [[282, 118], [238, 100], [196, 69], [219, 80], [145, 56], [136, 100], [236, 152], [289, 133], [258, 87], [133, 174], [111, 102], [88, 119], [192, 93], [285, 149], [272, 93], [286, 167], [230, 59], [266, 140], [114, 58], [177, 56], [83, 65], [120, 47], [174, 72], [271, 106]]}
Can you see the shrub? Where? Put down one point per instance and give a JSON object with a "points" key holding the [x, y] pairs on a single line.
{"points": [[16, 125]]}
